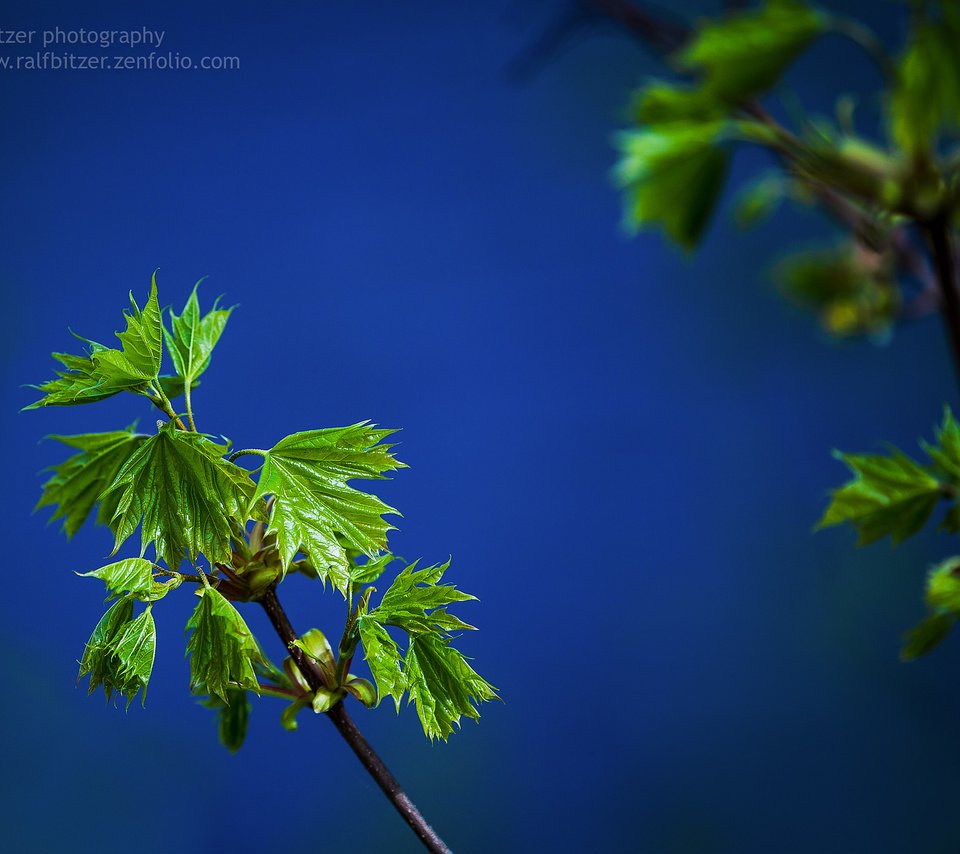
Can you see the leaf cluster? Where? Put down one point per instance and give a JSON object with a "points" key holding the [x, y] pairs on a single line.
{"points": [[298, 510], [436, 677], [894, 495], [674, 165], [675, 160]]}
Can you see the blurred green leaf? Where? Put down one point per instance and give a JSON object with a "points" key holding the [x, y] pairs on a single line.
{"points": [[946, 452], [744, 54], [660, 103], [926, 98], [926, 636], [888, 495], [760, 199], [672, 176], [943, 586], [232, 718], [943, 600], [851, 288]]}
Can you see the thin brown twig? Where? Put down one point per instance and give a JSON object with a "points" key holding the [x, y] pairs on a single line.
{"points": [[348, 729]]}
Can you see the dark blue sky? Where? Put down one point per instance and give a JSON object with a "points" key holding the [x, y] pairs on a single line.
{"points": [[623, 450]]}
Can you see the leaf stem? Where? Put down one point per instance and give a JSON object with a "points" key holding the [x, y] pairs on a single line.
{"points": [[247, 452], [183, 576], [278, 691], [186, 397], [346, 648], [162, 402], [348, 730]]}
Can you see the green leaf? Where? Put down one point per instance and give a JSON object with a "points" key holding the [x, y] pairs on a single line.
{"points": [[133, 575], [926, 636], [363, 690], [943, 599], [119, 655], [105, 372], [98, 653], [371, 570], [81, 382], [672, 177], [943, 586], [232, 718], [193, 337], [288, 717], [78, 483], [926, 97], [413, 595], [946, 453], [159, 589], [760, 199], [853, 291], [142, 343], [135, 651], [383, 658], [442, 685], [743, 55], [314, 508], [888, 495], [951, 519], [222, 649], [660, 103], [183, 492]]}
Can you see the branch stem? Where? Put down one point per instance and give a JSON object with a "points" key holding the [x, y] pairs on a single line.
{"points": [[385, 780], [945, 264], [348, 729]]}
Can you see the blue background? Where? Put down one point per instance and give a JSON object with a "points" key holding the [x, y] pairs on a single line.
{"points": [[624, 450]]}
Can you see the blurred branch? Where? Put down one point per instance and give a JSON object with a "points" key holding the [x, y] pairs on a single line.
{"points": [[657, 33], [558, 33], [945, 260]]}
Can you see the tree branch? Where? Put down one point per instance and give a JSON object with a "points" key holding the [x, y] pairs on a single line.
{"points": [[348, 729]]}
